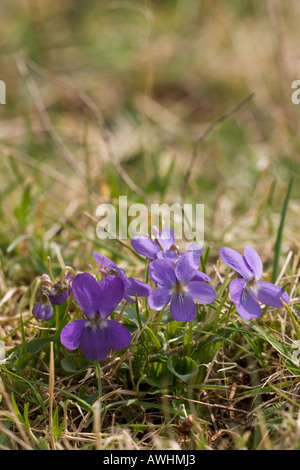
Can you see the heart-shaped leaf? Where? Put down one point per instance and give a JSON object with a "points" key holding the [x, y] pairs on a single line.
{"points": [[182, 367]]}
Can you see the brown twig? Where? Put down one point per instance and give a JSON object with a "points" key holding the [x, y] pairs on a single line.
{"points": [[210, 405], [221, 118]]}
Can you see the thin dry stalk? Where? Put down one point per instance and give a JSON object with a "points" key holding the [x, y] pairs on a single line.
{"points": [[44, 116], [210, 128], [51, 394]]}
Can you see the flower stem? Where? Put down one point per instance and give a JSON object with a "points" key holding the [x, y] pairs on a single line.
{"points": [[98, 375], [24, 346], [56, 317], [190, 339], [138, 313], [146, 282]]}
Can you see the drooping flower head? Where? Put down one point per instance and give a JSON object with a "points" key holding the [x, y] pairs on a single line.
{"points": [[247, 290], [181, 285], [132, 287], [42, 308], [96, 334]]}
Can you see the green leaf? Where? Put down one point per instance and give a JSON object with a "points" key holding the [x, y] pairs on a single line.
{"points": [[132, 401], [37, 345], [182, 367], [43, 444], [16, 409], [68, 365], [130, 315], [158, 375], [57, 428]]}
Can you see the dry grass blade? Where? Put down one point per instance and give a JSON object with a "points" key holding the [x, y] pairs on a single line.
{"points": [[21, 428]]}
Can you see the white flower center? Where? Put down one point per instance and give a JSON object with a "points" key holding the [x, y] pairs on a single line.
{"points": [[97, 323], [251, 287], [179, 289]]}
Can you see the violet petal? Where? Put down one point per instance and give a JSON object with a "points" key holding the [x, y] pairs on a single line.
{"points": [[110, 294], [270, 294], [159, 298], [248, 307], [166, 238], [169, 255], [145, 246], [139, 288], [196, 251], [236, 261], [93, 343], [203, 293], [183, 307], [86, 293], [117, 336], [162, 272], [236, 288], [70, 335], [183, 268], [104, 262], [200, 276], [254, 262]]}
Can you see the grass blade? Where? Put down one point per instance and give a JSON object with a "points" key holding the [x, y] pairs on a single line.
{"points": [[280, 231]]}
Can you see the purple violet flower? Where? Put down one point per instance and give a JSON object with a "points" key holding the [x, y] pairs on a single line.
{"points": [[132, 287], [61, 290], [96, 335], [180, 284], [247, 290]]}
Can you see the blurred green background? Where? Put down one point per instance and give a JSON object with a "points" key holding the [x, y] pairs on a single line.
{"points": [[108, 98]]}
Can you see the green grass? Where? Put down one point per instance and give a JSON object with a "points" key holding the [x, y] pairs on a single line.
{"points": [[110, 100]]}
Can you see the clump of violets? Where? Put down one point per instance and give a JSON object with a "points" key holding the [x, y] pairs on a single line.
{"points": [[177, 280], [179, 284], [95, 335], [248, 290], [132, 287]]}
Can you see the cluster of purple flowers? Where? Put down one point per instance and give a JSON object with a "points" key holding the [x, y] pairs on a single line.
{"points": [[176, 280], [176, 275]]}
